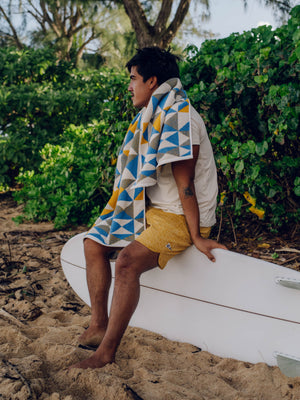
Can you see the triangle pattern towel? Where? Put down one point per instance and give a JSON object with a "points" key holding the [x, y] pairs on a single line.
{"points": [[158, 135]]}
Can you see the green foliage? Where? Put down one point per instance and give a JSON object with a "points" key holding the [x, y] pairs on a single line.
{"points": [[63, 127], [40, 98], [74, 179], [247, 89]]}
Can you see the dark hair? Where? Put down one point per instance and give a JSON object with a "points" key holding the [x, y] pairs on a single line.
{"points": [[154, 61]]}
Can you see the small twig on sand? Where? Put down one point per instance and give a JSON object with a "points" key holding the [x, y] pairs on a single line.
{"points": [[25, 382], [134, 394], [288, 250], [5, 315], [233, 230], [289, 260], [9, 248]]}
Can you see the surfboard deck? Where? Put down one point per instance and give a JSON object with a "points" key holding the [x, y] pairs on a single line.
{"points": [[238, 307]]}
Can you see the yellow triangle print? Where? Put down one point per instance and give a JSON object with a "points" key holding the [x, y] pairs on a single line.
{"points": [[157, 123], [132, 127], [106, 211], [140, 196], [185, 109], [143, 140], [145, 126], [112, 201]]}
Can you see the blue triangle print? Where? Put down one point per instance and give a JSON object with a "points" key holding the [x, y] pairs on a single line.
{"points": [[122, 236], [128, 137], [124, 196], [148, 173], [140, 215], [184, 104], [139, 123], [129, 226], [151, 150], [115, 226], [132, 166], [137, 191], [166, 149], [186, 127], [188, 153], [155, 101], [168, 128], [100, 231], [163, 101], [153, 162], [146, 135], [106, 216], [123, 215], [171, 111], [173, 139]]}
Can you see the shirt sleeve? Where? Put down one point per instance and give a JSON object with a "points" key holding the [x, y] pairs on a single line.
{"points": [[196, 126]]}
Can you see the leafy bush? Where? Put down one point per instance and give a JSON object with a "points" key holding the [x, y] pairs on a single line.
{"points": [[74, 179], [247, 89], [40, 98], [245, 86]]}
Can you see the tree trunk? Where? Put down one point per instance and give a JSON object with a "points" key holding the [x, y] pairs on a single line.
{"points": [[160, 34]]}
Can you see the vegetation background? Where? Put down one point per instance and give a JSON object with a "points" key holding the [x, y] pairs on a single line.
{"points": [[64, 111]]}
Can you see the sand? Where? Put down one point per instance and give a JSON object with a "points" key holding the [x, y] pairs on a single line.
{"points": [[41, 319]]}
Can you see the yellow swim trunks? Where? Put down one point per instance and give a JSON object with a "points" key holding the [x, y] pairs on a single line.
{"points": [[167, 234]]}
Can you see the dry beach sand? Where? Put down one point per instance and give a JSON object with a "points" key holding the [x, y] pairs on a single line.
{"points": [[41, 319]]}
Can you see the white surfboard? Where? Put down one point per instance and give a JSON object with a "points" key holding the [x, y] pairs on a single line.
{"points": [[238, 307]]}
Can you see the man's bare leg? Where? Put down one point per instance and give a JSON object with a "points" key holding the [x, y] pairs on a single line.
{"points": [[98, 272], [131, 263]]}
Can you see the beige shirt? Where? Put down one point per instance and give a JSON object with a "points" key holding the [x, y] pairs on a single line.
{"points": [[164, 194]]}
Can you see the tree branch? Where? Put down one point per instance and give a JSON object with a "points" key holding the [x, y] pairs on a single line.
{"points": [[82, 47], [181, 13], [163, 16], [15, 36], [47, 18], [137, 17]]}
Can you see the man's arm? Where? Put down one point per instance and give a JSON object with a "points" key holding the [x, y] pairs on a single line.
{"points": [[184, 174]]}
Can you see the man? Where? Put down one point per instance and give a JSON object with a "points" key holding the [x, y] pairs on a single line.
{"points": [[166, 177]]}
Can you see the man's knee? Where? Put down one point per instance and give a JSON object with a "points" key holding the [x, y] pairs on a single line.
{"points": [[129, 265], [125, 262], [93, 248], [134, 259]]}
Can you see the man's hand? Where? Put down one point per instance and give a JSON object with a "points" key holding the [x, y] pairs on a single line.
{"points": [[206, 245]]}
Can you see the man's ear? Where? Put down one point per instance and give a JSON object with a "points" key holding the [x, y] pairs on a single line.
{"points": [[153, 82]]}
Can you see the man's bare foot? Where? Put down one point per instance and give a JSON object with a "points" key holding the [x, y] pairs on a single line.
{"points": [[92, 336], [95, 361]]}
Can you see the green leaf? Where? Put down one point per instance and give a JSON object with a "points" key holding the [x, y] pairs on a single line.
{"points": [[297, 186], [239, 166], [262, 148], [254, 171], [238, 204], [261, 79], [238, 87]]}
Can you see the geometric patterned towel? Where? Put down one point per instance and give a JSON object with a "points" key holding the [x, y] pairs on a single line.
{"points": [[158, 135]]}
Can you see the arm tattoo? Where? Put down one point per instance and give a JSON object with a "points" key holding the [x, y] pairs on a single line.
{"points": [[188, 192]]}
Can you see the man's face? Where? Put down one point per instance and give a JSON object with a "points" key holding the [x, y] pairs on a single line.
{"points": [[141, 91]]}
